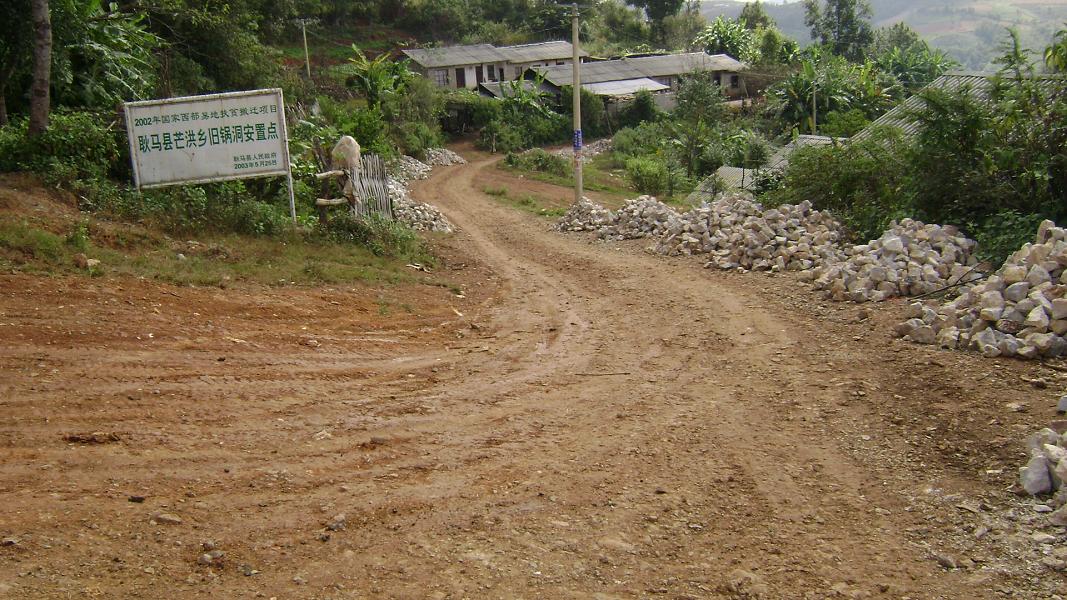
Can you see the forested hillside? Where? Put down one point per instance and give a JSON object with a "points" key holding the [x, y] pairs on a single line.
{"points": [[969, 30]]}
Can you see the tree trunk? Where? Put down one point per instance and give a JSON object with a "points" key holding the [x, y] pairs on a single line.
{"points": [[3, 103], [42, 67]]}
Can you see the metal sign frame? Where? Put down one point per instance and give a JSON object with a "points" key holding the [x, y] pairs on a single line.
{"points": [[283, 138]]}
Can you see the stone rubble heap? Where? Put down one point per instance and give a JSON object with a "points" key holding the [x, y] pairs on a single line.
{"points": [[739, 233], [443, 157], [1046, 472], [407, 168], [585, 215], [1019, 311], [416, 215], [641, 217], [910, 259], [588, 151]]}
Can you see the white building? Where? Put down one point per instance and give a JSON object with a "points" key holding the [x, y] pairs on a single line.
{"points": [[467, 66]]}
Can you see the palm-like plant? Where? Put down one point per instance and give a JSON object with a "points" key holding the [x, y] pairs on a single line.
{"points": [[376, 78], [1056, 53]]}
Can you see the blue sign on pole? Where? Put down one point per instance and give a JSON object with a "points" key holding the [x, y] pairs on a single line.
{"points": [[577, 139]]}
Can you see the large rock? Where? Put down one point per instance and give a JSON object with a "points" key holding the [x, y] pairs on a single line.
{"points": [[1034, 477]]}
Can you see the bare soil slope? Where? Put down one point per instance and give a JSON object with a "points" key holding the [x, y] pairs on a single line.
{"points": [[589, 421]]}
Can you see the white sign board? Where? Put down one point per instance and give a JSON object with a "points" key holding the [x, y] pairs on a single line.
{"points": [[198, 139]]}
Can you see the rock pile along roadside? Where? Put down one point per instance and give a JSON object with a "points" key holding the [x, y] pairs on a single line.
{"points": [[1046, 472], [443, 157], [585, 215], [739, 233], [417, 215], [588, 151], [1021, 310], [910, 259], [641, 217]]}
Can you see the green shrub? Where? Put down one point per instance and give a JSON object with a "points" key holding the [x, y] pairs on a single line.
{"points": [[642, 109], [539, 160], [381, 236], [76, 145], [647, 175], [1003, 233], [865, 184]]}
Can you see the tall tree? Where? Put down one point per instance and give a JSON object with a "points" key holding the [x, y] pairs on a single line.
{"points": [[754, 16], [658, 10], [843, 25], [42, 66]]}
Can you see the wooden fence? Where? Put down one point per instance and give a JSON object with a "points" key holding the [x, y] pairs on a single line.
{"points": [[370, 194]]}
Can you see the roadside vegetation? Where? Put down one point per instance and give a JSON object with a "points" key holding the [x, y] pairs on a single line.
{"points": [[993, 168]]}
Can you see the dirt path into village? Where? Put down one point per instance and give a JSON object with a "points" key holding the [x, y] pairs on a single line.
{"points": [[588, 421]]}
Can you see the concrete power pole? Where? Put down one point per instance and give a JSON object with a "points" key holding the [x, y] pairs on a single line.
{"points": [[577, 88], [307, 55]]}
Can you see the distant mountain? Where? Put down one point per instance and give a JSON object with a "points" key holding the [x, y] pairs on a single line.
{"points": [[970, 30]]}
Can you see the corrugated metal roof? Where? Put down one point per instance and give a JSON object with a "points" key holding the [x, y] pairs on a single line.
{"points": [[636, 68], [979, 84], [493, 88], [674, 64], [624, 87], [526, 53], [455, 56], [780, 159]]}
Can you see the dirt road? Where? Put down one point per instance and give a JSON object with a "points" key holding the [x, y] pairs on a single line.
{"points": [[588, 421]]}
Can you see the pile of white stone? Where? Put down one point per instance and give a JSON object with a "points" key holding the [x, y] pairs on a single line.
{"points": [[1046, 472], [739, 233], [910, 259], [416, 215], [588, 151], [1020, 311], [585, 215], [407, 168], [641, 217], [443, 157]]}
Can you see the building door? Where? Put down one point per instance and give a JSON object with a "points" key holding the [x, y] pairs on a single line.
{"points": [[461, 78], [479, 73]]}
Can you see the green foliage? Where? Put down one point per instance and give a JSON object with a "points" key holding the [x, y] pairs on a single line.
{"points": [[1002, 233], [75, 146], [865, 184], [1056, 53], [367, 126], [844, 26], [727, 36], [844, 124], [594, 114], [381, 236], [522, 119], [915, 66], [647, 175], [539, 160], [755, 16], [643, 108], [375, 79], [836, 85]]}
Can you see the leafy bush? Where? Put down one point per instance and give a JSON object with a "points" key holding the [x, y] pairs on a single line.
{"points": [[647, 175], [643, 108], [381, 236], [539, 160], [76, 145], [865, 184], [1003, 233]]}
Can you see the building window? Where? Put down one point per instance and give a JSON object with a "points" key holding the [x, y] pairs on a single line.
{"points": [[560, 62], [735, 81], [492, 72], [718, 79], [440, 77], [518, 72]]}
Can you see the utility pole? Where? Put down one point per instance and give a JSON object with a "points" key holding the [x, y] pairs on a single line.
{"points": [[577, 93], [307, 55], [814, 107]]}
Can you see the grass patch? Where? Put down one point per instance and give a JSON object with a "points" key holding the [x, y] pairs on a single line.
{"points": [[602, 174], [526, 202], [295, 258]]}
